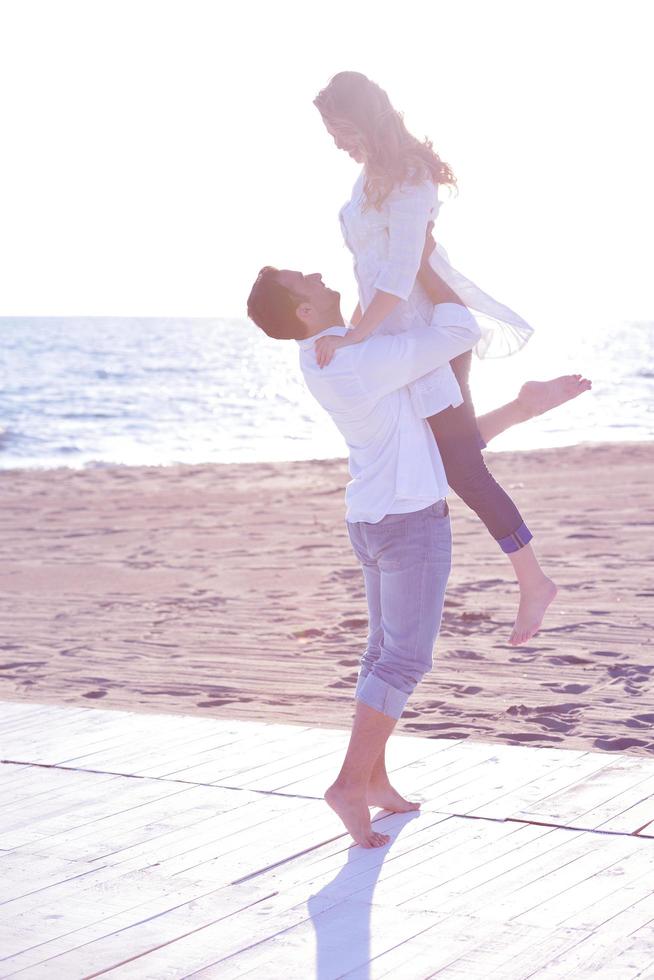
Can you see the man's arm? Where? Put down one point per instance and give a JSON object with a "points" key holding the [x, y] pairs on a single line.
{"points": [[386, 363]]}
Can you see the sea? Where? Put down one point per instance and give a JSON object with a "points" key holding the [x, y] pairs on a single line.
{"points": [[90, 392]]}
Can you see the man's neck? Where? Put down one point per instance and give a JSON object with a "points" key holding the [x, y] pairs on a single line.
{"points": [[336, 321]]}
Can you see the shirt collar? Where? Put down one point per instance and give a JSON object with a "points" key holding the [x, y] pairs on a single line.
{"points": [[309, 342]]}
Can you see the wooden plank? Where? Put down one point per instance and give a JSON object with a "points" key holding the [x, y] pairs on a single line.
{"points": [[237, 766], [629, 908], [579, 804], [602, 956], [134, 874], [608, 879], [481, 878], [497, 947], [307, 940], [40, 790], [110, 797], [150, 823], [568, 773], [519, 964], [395, 874], [119, 932], [522, 902], [630, 811], [130, 759], [214, 765]]}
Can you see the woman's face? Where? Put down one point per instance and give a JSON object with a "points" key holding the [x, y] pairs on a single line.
{"points": [[346, 138]]}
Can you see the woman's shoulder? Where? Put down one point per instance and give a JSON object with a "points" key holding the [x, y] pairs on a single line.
{"points": [[417, 182]]}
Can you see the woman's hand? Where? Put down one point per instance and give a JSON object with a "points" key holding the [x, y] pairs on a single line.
{"points": [[326, 347]]}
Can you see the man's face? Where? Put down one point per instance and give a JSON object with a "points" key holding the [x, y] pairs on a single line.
{"points": [[312, 291]]}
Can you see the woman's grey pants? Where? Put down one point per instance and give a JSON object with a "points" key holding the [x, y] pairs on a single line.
{"points": [[406, 561]]}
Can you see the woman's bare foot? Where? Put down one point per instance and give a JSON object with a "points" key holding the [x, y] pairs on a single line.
{"points": [[353, 811], [537, 397], [384, 795], [533, 604]]}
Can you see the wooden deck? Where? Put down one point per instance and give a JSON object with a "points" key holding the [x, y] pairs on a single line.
{"points": [[162, 846]]}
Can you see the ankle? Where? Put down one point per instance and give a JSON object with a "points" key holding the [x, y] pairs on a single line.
{"points": [[352, 786], [536, 583], [521, 410], [379, 779]]}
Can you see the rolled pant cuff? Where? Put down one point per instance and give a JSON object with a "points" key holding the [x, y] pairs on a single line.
{"points": [[513, 542], [381, 696]]}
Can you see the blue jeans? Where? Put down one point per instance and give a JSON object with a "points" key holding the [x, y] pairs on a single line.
{"points": [[406, 561]]}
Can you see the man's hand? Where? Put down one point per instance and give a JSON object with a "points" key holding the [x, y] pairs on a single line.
{"points": [[326, 346]]}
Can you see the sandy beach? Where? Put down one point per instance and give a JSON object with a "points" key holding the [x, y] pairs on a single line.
{"points": [[232, 591]]}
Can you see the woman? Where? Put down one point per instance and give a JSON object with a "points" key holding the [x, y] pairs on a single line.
{"points": [[385, 223]]}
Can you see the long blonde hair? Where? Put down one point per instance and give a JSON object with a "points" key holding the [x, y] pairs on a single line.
{"points": [[353, 103]]}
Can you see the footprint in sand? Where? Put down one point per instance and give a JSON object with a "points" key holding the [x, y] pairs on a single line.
{"points": [[428, 727], [567, 660], [561, 718], [464, 655], [217, 702], [515, 739], [308, 634], [618, 744], [568, 688]]}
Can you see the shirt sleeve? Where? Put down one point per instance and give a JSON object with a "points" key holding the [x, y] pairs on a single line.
{"points": [[409, 212], [388, 362]]}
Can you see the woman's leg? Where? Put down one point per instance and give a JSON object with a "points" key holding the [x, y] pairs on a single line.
{"points": [[460, 444]]}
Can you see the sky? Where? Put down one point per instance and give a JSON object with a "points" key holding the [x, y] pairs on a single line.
{"points": [[157, 153]]}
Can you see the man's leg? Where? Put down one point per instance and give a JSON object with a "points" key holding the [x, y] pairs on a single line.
{"points": [[413, 552], [370, 728], [380, 791], [348, 793]]}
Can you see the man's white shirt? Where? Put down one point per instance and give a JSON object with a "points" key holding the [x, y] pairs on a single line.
{"points": [[394, 461]]}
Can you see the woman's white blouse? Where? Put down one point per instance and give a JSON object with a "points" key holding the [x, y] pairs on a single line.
{"points": [[387, 246]]}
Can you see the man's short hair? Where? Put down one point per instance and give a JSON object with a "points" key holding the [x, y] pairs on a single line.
{"points": [[272, 306]]}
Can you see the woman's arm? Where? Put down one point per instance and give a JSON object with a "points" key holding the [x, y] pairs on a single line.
{"points": [[381, 305], [356, 316], [409, 211]]}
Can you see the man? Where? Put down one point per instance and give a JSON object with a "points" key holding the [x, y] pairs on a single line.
{"points": [[397, 515]]}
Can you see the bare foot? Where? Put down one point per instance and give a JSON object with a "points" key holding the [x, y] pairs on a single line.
{"points": [[533, 604], [384, 795], [354, 813], [537, 397]]}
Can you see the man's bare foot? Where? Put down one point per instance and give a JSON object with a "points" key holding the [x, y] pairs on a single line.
{"points": [[354, 813], [533, 604], [384, 795], [537, 397]]}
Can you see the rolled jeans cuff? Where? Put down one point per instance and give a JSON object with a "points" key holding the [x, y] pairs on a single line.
{"points": [[381, 696], [518, 539]]}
